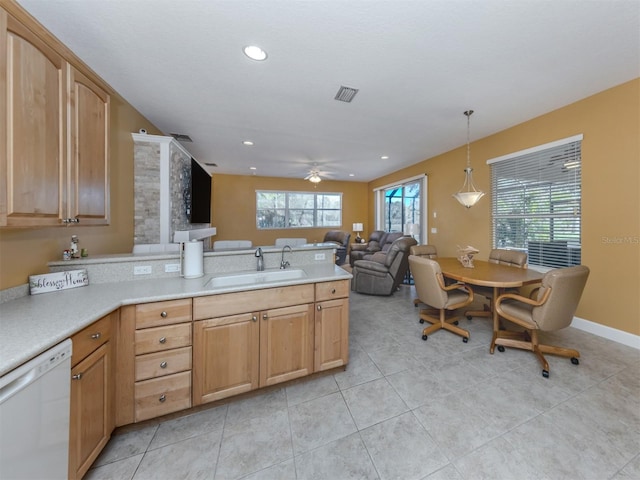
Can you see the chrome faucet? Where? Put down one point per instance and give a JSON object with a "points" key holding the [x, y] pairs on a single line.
{"points": [[260, 259], [284, 264]]}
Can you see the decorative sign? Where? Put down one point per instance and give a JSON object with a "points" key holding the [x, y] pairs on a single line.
{"points": [[51, 282]]}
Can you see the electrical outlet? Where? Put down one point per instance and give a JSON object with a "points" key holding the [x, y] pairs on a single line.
{"points": [[319, 256], [171, 267], [142, 270], [434, 230]]}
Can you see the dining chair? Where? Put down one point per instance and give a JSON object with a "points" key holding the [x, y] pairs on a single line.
{"points": [[500, 256], [552, 309], [431, 289], [426, 251]]}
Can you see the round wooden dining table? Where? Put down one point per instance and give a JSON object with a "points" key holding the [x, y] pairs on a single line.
{"points": [[499, 277]]}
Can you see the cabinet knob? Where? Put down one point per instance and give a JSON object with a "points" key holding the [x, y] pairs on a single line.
{"points": [[265, 316], [77, 376], [162, 398], [319, 307], [333, 290], [96, 336], [163, 314], [163, 365], [254, 318], [163, 340]]}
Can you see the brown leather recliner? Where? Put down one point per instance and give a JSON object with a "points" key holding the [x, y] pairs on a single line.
{"points": [[341, 238], [383, 277], [359, 250]]}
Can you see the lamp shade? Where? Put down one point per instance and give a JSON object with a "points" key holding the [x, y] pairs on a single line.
{"points": [[357, 227], [411, 228]]}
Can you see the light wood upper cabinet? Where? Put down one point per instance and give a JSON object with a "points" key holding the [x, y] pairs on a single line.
{"points": [[54, 137], [32, 160], [88, 150]]}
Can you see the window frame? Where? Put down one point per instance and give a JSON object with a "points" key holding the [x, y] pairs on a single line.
{"points": [[537, 188], [287, 209]]}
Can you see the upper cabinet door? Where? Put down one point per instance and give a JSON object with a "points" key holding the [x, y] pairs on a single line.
{"points": [[32, 131], [88, 150]]}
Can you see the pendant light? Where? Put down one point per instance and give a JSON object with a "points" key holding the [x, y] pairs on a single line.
{"points": [[468, 194]]}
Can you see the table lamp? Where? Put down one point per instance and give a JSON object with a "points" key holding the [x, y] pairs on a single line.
{"points": [[357, 227]]}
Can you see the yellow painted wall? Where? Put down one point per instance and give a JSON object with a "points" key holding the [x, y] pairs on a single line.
{"points": [[25, 252], [234, 207], [610, 123]]}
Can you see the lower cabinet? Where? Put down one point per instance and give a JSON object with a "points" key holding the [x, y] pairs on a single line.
{"points": [[236, 351], [92, 416], [331, 334]]}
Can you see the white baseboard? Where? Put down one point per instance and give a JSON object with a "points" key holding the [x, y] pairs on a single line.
{"points": [[609, 333]]}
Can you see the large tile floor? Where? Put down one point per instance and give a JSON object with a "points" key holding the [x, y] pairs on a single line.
{"points": [[409, 409]]}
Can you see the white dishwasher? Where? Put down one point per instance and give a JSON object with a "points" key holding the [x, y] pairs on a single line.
{"points": [[34, 417]]}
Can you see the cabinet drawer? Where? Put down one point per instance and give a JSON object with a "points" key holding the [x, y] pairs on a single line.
{"points": [[331, 290], [163, 363], [163, 313], [163, 338], [163, 395], [90, 338]]}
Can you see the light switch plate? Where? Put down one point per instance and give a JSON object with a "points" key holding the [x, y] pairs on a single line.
{"points": [[320, 256]]}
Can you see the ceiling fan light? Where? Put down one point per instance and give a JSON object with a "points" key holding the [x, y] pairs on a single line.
{"points": [[255, 53], [315, 178]]}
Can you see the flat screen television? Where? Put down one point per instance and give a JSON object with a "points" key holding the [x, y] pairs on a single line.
{"points": [[200, 194]]}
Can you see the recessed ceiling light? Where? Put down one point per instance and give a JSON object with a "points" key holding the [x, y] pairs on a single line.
{"points": [[384, 157], [352, 174], [252, 168], [255, 53], [248, 143]]}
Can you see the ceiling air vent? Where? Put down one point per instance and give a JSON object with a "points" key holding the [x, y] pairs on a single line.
{"points": [[181, 137], [346, 94]]}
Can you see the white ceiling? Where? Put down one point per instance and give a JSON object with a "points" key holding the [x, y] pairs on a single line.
{"points": [[418, 65]]}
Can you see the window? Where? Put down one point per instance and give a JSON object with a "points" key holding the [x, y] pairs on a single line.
{"points": [[399, 207], [536, 197], [297, 209]]}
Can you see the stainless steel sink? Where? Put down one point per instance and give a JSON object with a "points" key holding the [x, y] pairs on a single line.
{"points": [[254, 278]]}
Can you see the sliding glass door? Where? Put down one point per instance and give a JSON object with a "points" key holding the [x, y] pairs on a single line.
{"points": [[400, 207]]}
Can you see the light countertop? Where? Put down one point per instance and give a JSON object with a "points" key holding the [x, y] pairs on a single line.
{"points": [[34, 323]]}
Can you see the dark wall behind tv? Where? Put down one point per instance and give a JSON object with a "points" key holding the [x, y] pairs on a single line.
{"points": [[200, 194]]}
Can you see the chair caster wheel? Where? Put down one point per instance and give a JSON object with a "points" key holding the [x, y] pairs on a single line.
{"points": [[500, 348], [421, 320], [465, 339], [469, 317], [424, 337], [575, 361], [545, 373], [456, 322]]}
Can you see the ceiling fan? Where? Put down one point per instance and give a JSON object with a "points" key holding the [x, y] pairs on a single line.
{"points": [[316, 175]]}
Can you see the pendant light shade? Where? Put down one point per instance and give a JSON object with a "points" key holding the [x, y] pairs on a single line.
{"points": [[468, 194]]}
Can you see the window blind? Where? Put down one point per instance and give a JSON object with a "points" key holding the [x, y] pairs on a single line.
{"points": [[536, 199]]}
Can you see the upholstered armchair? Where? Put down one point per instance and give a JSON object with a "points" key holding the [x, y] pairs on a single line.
{"points": [[359, 250], [552, 308], [385, 244], [341, 238], [424, 251], [383, 277]]}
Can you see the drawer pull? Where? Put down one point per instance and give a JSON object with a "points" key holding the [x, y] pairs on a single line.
{"points": [[319, 307], [163, 365], [77, 376], [333, 290], [162, 398], [163, 340], [254, 318], [163, 314], [96, 336]]}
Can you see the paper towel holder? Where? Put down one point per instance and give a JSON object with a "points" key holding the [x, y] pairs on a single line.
{"points": [[192, 259]]}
